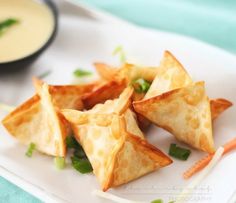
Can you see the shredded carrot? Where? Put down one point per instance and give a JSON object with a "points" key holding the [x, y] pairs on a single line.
{"points": [[202, 163]]}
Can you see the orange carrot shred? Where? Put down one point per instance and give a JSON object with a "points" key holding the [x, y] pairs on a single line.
{"points": [[202, 163]]}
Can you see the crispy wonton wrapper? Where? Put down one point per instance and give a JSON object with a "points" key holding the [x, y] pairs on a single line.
{"points": [[165, 94], [218, 106], [108, 90], [67, 96], [129, 72], [172, 75], [117, 156], [120, 106], [184, 112], [111, 137], [105, 71], [37, 121]]}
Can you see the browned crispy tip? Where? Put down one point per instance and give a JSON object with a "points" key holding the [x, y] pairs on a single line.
{"points": [[218, 106], [105, 71], [109, 90]]}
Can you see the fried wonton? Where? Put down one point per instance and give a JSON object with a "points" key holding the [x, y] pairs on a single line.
{"points": [[37, 121], [184, 112], [116, 156], [120, 106], [172, 75]]}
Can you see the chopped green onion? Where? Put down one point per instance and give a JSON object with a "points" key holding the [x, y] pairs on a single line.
{"points": [[81, 165], [72, 143], [4, 25], [30, 150], [119, 50], [179, 152], [79, 160], [60, 162], [80, 154], [157, 201], [141, 86], [44, 74], [82, 73]]}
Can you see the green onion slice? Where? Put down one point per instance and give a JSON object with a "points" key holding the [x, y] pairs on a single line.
{"points": [[119, 50], [72, 143], [179, 152], [44, 74], [30, 150], [60, 162], [141, 86], [157, 201], [4, 25], [81, 165], [80, 153], [82, 73]]}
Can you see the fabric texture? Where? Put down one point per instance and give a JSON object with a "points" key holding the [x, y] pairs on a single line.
{"points": [[212, 21]]}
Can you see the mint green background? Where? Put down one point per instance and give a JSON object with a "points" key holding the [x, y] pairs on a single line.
{"points": [[213, 21]]}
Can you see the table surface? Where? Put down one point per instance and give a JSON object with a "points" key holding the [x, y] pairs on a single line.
{"points": [[212, 21]]}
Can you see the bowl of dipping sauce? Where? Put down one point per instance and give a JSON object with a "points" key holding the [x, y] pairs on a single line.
{"points": [[27, 28]]}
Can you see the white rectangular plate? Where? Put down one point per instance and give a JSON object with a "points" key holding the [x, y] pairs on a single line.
{"points": [[79, 43]]}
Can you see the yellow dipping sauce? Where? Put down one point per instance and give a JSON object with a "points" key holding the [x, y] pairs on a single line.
{"points": [[35, 27]]}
